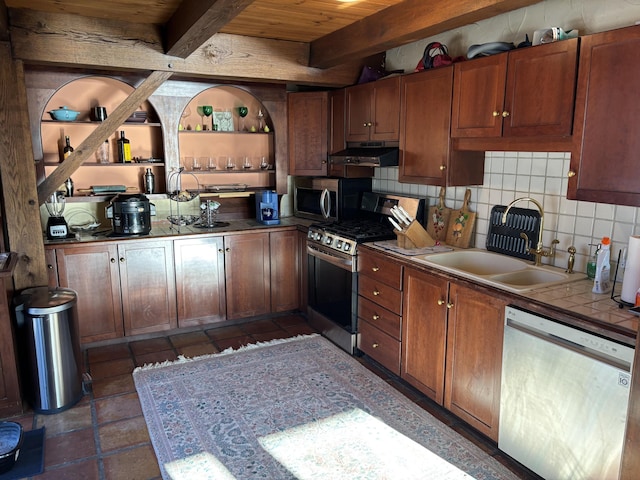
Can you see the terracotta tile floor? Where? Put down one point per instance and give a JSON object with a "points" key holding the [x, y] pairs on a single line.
{"points": [[104, 436]]}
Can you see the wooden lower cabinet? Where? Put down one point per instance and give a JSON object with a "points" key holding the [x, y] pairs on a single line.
{"points": [[248, 275], [452, 347], [284, 256], [380, 308], [200, 281], [10, 398], [123, 287]]}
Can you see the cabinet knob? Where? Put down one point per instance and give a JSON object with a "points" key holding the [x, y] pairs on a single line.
{"points": [[375, 345], [376, 293], [375, 269], [441, 302], [220, 250], [50, 267], [121, 259], [449, 305], [113, 260], [505, 114], [376, 317], [324, 162], [496, 113], [365, 124], [443, 168], [571, 173], [227, 249]]}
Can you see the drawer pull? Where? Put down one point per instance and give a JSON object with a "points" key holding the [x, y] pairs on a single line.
{"points": [[376, 317], [375, 345], [375, 269], [440, 302], [376, 293], [449, 305]]}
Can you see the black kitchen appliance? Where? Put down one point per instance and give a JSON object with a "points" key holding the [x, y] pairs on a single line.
{"points": [[130, 214], [332, 249], [329, 199]]}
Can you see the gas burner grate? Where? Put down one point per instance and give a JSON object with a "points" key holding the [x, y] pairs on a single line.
{"points": [[505, 237]]}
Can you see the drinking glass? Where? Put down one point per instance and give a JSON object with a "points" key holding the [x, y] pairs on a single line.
{"points": [[230, 163], [242, 112], [200, 110], [187, 162], [207, 110], [196, 164], [209, 163], [263, 163], [246, 164]]}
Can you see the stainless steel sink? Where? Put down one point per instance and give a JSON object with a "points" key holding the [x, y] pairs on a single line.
{"points": [[491, 268]]}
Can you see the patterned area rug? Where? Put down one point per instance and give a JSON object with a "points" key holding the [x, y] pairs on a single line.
{"points": [[295, 409]]}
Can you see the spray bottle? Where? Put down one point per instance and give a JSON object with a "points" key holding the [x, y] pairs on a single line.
{"points": [[601, 281]]}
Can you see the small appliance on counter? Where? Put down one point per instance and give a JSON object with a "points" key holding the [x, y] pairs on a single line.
{"points": [[130, 214], [57, 227], [267, 207]]}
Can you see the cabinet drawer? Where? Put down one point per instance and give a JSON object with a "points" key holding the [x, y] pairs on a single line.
{"points": [[382, 269], [383, 348], [380, 293], [380, 317]]}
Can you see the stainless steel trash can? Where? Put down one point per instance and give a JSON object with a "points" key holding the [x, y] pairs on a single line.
{"points": [[46, 318]]}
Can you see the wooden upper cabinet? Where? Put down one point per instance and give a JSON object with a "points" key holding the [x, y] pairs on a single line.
{"points": [[526, 92], [426, 154], [337, 140], [308, 124], [373, 111], [604, 156]]}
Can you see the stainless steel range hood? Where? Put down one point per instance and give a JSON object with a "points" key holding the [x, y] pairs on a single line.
{"points": [[367, 155]]}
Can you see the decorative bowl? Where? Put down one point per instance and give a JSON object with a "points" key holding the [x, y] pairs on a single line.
{"points": [[64, 114], [11, 435], [183, 220]]}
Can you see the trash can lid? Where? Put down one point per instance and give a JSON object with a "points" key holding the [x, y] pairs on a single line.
{"points": [[45, 300]]}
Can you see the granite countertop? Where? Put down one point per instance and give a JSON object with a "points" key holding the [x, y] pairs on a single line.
{"points": [[164, 228]]}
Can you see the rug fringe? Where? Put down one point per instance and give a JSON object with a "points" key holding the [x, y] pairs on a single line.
{"points": [[250, 346]]}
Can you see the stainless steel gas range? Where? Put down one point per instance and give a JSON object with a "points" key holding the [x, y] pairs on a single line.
{"points": [[332, 249]]}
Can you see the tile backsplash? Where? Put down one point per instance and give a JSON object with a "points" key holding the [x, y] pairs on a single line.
{"points": [[540, 175]]}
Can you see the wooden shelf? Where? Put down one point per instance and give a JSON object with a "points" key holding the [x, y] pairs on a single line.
{"points": [[233, 132], [112, 164], [87, 122]]}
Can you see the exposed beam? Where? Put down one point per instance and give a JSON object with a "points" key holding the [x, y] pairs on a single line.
{"points": [[21, 210], [75, 41], [100, 134], [196, 20], [405, 22]]}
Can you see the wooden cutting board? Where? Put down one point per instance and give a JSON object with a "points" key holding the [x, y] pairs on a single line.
{"points": [[438, 219], [461, 224]]}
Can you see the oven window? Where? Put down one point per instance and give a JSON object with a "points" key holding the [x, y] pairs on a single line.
{"points": [[333, 292]]}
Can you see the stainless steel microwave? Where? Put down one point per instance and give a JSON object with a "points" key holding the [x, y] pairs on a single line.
{"points": [[329, 199]]}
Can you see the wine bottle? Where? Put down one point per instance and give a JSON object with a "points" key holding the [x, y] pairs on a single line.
{"points": [[124, 149], [68, 149]]}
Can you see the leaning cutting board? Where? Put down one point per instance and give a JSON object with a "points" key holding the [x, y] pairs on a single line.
{"points": [[438, 219], [461, 224]]}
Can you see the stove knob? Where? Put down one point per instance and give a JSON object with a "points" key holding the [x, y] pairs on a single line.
{"points": [[318, 236], [347, 247], [339, 244], [328, 240]]}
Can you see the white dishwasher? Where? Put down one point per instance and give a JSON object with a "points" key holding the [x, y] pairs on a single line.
{"points": [[564, 397]]}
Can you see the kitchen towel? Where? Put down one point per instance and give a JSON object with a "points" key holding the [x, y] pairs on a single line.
{"points": [[631, 278]]}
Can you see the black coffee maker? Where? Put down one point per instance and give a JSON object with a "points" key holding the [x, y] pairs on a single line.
{"points": [[130, 214]]}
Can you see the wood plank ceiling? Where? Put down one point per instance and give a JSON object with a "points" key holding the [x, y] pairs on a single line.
{"points": [[335, 32]]}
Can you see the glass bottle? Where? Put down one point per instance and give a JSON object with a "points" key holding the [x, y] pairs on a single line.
{"points": [[124, 149], [102, 153], [149, 181], [68, 149]]}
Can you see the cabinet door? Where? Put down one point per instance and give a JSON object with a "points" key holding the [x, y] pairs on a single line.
{"points": [[308, 126], [147, 280], [92, 271], [10, 399], [385, 109], [478, 97], [424, 332], [359, 119], [200, 283], [604, 157], [285, 271], [337, 100], [247, 273], [474, 358], [541, 84], [303, 268]]}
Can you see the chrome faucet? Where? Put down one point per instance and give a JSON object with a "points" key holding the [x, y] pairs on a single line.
{"points": [[539, 251]]}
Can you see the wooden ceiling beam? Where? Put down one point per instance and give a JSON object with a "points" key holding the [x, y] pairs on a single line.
{"points": [[74, 41], [196, 20], [403, 23], [100, 134]]}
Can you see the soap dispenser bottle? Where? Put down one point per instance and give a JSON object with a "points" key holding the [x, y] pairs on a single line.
{"points": [[601, 282]]}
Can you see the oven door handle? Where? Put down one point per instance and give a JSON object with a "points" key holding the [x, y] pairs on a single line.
{"points": [[344, 263], [325, 203]]}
